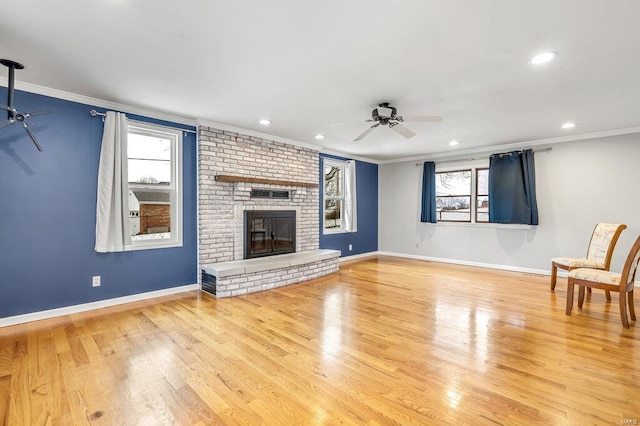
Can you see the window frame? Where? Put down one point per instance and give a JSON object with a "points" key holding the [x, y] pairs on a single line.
{"points": [[342, 165], [477, 193], [439, 213], [473, 165], [175, 187]]}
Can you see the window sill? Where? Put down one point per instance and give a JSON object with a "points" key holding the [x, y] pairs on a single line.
{"points": [[484, 225], [331, 232], [154, 245]]}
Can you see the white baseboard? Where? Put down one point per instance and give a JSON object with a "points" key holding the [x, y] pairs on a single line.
{"points": [[358, 256], [67, 310], [469, 263]]}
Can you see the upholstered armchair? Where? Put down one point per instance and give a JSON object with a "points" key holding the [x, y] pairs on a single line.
{"points": [[608, 281], [603, 241]]}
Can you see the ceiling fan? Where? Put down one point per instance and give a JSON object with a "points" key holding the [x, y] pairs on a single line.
{"points": [[13, 116], [386, 115]]}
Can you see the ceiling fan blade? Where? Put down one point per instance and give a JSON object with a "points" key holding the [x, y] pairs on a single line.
{"points": [[403, 131], [343, 124], [6, 123], [429, 118], [366, 132], [39, 112], [32, 136], [350, 122]]}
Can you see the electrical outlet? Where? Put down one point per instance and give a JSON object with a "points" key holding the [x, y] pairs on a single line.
{"points": [[350, 247], [95, 282]]}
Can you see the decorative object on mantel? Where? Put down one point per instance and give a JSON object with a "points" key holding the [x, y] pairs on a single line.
{"points": [[233, 179], [13, 116]]}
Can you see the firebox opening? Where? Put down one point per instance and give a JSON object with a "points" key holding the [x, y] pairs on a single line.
{"points": [[269, 232]]}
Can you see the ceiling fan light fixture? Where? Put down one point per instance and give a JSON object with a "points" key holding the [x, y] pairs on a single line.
{"points": [[264, 122], [387, 115], [568, 125], [543, 58]]}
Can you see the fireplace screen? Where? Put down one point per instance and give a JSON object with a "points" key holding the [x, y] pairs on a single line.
{"points": [[269, 232]]}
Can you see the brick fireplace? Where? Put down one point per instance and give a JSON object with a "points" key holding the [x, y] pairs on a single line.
{"points": [[261, 165]]}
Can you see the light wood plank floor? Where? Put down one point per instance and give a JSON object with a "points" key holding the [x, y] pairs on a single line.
{"points": [[384, 341]]}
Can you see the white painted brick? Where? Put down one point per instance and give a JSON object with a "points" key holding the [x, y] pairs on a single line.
{"points": [[221, 204]]}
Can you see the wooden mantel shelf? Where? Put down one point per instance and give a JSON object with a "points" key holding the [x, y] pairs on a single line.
{"points": [[229, 178]]}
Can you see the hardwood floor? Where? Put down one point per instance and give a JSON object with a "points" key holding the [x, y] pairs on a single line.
{"points": [[384, 341]]}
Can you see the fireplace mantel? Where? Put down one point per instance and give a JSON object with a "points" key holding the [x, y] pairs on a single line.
{"points": [[233, 179]]}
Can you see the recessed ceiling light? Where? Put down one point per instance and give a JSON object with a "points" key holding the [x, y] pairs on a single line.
{"points": [[319, 136], [454, 143], [568, 125], [265, 122], [543, 58]]}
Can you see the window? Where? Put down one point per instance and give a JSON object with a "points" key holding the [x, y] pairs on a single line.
{"points": [[482, 195], [334, 191], [453, 196], [155, 185], [463, 195], [339, 198]]}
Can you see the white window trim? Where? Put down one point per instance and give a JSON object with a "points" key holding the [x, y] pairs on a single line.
{"points": [[175, 136], [342, 165], [473, 165]]}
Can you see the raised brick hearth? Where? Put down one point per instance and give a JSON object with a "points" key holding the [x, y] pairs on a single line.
{"points": [[247, 276]]}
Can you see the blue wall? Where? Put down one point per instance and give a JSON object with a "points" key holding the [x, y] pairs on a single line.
{"points": [[48, 210], [366, 239]]}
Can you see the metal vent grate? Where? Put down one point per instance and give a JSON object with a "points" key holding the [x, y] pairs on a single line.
{"points": [[264, 193]]}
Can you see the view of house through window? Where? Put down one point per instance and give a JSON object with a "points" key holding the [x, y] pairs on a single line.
{"points": [[455, 191], [153, 167], [333, 195]]}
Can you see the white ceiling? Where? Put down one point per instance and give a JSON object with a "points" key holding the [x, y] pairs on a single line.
{"points": [[307, 64]]}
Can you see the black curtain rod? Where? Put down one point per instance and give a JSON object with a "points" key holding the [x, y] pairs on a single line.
{"points": [[95, 113], [484, 158]]}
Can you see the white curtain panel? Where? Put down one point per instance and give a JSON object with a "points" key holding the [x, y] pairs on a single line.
{"points": [[113, 232], [351, 208]]}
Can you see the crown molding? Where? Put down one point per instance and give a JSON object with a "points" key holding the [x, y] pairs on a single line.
{"points": [[484, 150], [99, 103], [239, 130], [190, 121], [347, 155]]}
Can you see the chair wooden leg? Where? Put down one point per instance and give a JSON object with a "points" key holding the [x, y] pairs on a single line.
{"points": [[554, 275], [632, 309], [623, 311], [569, 297], [608, 294], [581, 296], [589, 289]]}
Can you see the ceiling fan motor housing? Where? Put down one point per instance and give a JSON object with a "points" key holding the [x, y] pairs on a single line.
{"points": [[384, 111]]}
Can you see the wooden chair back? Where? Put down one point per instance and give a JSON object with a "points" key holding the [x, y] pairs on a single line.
{"points": [[603, 240], [630, 268]]}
